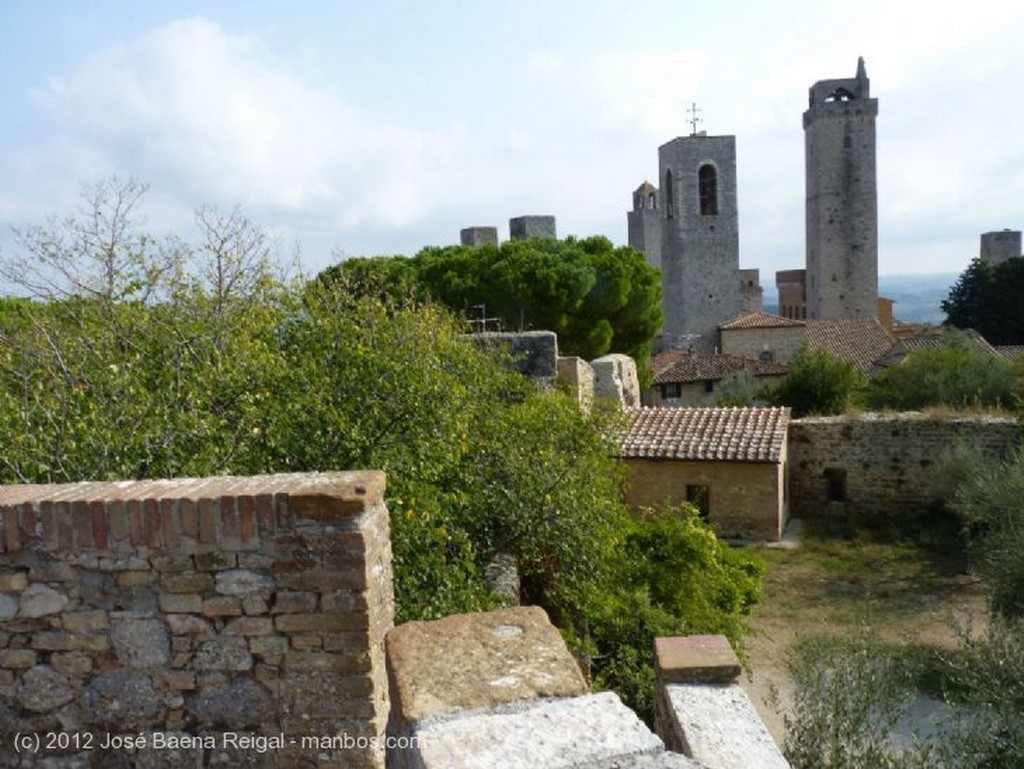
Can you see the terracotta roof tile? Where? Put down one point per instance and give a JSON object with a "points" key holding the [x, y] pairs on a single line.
{"points": [[761, 320], [699, 367], [724, 434], [862, 341]]}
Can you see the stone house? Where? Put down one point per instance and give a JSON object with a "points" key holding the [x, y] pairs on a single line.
{"points": [[762, 336], [729, 462], [693, 379]]}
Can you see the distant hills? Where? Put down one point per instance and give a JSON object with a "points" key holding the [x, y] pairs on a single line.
{"points": [[917, 298]]}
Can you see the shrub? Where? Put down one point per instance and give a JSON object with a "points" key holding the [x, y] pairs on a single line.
{"points": [[818, 383]]}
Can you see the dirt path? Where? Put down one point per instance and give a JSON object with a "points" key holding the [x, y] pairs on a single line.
{"points": [[833, 587]]}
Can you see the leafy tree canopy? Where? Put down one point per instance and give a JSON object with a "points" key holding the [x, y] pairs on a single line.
{"points": [[986, 298], [596, 297]]}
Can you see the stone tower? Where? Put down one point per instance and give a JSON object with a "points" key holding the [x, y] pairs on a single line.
{"points": [[644, 223], [997, 247], [700, 239], [842, 199]]}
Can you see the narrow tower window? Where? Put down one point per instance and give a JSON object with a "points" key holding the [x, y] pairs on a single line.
{"points": [[670, 197], [707, 182]]}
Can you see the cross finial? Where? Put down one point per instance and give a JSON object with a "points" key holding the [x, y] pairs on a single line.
{"points": [[694, 120]]}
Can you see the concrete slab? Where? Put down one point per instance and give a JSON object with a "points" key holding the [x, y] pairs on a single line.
{"points": [[594, 730], [721, 728]]}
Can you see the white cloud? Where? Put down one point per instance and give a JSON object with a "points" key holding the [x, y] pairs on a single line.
{"points": [[211, 114]]}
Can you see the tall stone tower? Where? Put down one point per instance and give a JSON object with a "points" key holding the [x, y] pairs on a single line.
{"points": [[644, 223], [997, 247], [842, 199], [700, 239]]}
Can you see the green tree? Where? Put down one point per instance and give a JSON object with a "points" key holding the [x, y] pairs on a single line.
{"points": [[818, 383], [229, 370], [596, 297], [958, 375], [986, 297]]}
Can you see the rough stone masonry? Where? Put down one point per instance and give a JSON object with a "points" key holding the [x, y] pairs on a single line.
{"points": [[193, 622]]}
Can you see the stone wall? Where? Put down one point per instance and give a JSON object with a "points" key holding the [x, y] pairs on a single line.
{"points": [[195, 621], [882, 464], [745, 499]]}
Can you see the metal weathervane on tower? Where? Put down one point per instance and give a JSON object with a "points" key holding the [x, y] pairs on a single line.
{"points": [[694, 120]]}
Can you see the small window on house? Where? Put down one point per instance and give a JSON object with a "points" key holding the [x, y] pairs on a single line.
{"points": [[709, 385], [707, 183], [671, 390], [653, 200], [835, 480], [698, 496], [847, 143]]}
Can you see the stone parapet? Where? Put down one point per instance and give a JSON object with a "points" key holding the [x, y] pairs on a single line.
{"points": [[702, 712], [220, 616]]}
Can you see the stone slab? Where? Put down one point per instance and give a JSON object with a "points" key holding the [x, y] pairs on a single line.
{"points": [[476, 661], [594, 730], [664, 760], [696, 659], [720, 727]]}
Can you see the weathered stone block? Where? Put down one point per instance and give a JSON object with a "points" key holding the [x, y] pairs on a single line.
{"points": [[42, 688], [249, 626], [187, 583], [121, 699], [181, 603], [85, 621], [490, 659], [141, 643], [222, 606], [17, 658], [294, 602], [13, 581], [240, 705], [38, 600], [230, 653], [696, 659]]}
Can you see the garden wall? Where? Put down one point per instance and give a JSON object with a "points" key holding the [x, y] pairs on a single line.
{"points": [[175, 622], [882, 464]]}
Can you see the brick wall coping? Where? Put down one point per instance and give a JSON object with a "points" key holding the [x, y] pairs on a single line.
{"points": [[229, 511]]}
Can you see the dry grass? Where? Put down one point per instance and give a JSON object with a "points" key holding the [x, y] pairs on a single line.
{"points": [[908, 589]]}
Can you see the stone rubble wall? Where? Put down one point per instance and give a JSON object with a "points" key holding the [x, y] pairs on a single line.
{"points": [[882, 464], [195, 621]]}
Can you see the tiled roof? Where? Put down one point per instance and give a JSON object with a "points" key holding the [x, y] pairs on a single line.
{"points": [[663, 360], [699, 367], [761, 320], [861, 341], [730, 434], [1010, 350], [935, 338]]}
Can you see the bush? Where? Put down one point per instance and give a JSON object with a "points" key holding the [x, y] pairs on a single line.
{"points": [[991, 504], [671, 576], [849, 695], [957, 375], [818, 383]]}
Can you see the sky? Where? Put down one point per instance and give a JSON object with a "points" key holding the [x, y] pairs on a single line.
{"points": [[355, 129]]}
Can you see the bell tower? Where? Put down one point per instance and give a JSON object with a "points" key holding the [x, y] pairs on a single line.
{"points": [[842, 199]]}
